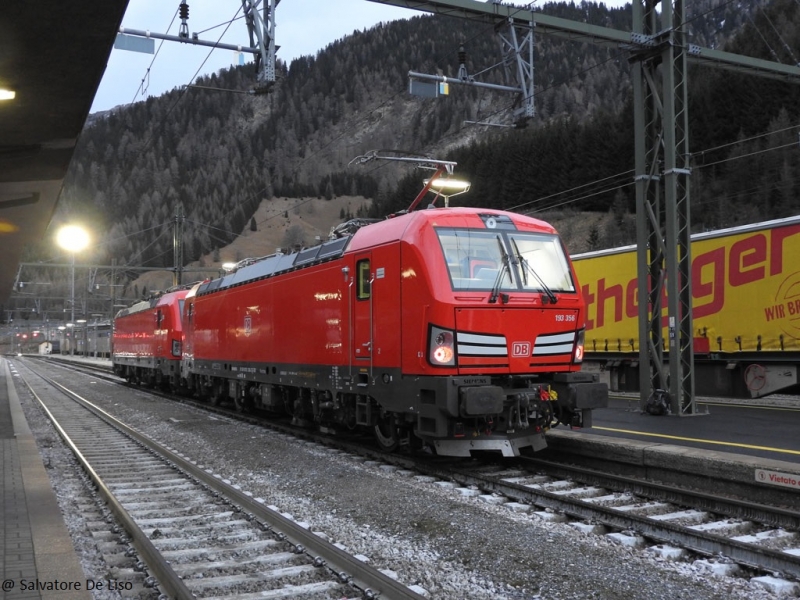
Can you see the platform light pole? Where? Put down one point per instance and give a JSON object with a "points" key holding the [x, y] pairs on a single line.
{"points": [[73, 239]]}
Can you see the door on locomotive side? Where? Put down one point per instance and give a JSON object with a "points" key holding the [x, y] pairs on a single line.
{"points": [[362, 302]]}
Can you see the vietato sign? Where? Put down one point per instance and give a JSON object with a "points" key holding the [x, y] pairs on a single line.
{"points": [[790, 480]]}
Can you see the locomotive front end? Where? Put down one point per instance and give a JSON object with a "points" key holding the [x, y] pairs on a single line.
{"points": [[504, 339]]}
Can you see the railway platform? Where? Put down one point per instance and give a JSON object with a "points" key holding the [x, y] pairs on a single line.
{"points": [[38, 558]]}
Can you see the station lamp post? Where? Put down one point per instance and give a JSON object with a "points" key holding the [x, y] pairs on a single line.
{"points": [[73, 239]]}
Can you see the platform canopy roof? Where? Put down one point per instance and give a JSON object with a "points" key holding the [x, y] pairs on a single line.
{"points": [[52, 57]]}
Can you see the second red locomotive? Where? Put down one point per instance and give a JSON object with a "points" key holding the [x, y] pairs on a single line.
{"points": [[461, 329], [148, 340]]}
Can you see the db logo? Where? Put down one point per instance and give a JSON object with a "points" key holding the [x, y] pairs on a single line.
{"points": [[521, 349]]}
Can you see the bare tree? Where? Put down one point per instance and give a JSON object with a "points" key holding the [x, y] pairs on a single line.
{"points": [[294, 236]]}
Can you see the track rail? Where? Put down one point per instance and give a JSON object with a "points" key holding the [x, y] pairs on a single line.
{"points": [[132, 471], [700, 521], [696, 521]]}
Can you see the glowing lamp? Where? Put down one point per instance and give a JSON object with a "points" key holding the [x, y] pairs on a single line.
{"points": [[448, 187], [442, 348], [443, 354], [72, 239]]}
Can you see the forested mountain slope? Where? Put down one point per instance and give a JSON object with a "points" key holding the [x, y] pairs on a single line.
{"points": [[217, 155]]}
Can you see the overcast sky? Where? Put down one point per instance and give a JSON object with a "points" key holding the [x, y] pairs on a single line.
{"points": [[302, 27]]}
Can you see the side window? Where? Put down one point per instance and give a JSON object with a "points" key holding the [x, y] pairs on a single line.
{"points": [[363, 291], [159, 318], [191, 311]]}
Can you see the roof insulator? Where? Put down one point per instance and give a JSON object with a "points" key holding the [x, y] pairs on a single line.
{"points": [[183, 13]]}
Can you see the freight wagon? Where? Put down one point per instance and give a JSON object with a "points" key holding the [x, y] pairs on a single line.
{"points": [[85, 339], [746, 310]]}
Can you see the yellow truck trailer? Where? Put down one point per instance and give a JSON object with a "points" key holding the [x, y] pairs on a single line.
{"points": [[745, 308]]}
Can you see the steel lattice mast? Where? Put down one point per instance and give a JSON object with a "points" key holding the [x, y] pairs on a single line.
{"points": [[658, 47], [663, 223]]}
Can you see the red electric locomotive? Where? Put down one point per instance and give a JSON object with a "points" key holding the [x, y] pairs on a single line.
{"points": [[148, 339], [457, 328]]}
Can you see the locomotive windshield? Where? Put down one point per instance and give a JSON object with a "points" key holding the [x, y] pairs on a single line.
{"points": [[505, 260]]}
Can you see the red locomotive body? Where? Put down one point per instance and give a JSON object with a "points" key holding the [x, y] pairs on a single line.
{"points": [[147, 340], [458, 328]]}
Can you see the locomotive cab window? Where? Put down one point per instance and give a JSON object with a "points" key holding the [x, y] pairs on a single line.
{"points": [[542, 262], [478, 259], [363, 283]]}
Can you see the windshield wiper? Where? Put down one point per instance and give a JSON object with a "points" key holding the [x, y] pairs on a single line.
{"points": [[500, 273], [520, 261], [551, 297]]}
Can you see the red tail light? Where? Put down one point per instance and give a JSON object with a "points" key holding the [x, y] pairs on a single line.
{"points": [[577, 356]]}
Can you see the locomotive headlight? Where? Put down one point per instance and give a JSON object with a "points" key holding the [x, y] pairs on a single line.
{"points": [[578, 355], [442, 348], [176, 348], [443, 355]]}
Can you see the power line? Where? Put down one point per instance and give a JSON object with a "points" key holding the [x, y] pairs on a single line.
{"points": [[347, 131], [749, 139], [147, 72], [579, 198], [763, 39], [755, 153], [185, 89], [579, 187], [780, 37]]}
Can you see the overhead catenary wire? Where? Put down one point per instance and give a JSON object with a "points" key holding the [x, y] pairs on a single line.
{"points": [[575, 199], [321, 149], [214, 228], [702, 153], [142, 87], [579, 187], [614, 57], [763, 39], [572, 200], [780, 37], [573, 189], [227, 25], [510, 105], [710, 10], [183, 92], [370, 113], [346, 132], [749, 154]]}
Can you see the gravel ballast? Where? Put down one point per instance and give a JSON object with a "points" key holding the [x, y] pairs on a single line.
{"points": [[451, 544]]}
